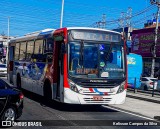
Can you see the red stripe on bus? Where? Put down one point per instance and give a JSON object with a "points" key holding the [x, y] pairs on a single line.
{"points": [[91, 89], [66, 85]]}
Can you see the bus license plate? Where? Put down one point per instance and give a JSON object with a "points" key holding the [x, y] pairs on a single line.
{"points": [[97, 98]]}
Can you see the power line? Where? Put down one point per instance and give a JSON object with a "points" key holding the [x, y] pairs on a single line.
{"points": [[124, 18]]}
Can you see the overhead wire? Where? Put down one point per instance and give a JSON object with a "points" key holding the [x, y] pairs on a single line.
{"points": [[70, 19], [115, 21]]}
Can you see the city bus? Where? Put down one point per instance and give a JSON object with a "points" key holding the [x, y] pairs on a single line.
{"points": [[75, 65]]}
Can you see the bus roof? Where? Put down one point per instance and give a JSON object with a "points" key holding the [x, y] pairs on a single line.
{"points": [[89, 28], [48, 33], [34, 35]]}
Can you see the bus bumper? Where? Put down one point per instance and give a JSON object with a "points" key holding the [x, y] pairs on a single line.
{"points": [[76, 98]]}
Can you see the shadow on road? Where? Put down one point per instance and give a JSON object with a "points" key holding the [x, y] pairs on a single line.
{"points": [[65, 107]]}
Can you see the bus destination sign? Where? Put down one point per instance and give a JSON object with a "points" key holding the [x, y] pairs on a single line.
{"points": [[97, 36]]}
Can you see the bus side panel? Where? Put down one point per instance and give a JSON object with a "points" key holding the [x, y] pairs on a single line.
{"points": [[32, 74], [10, 64], [15, 72]]}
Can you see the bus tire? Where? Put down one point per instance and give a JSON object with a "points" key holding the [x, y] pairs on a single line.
{"points": [[18, 81], [47, 90]]}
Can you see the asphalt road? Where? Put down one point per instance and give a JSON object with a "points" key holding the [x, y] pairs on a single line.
{"points": [[74, 116], [35, 108]]}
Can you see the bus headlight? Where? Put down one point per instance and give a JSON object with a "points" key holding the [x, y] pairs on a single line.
{"points": [[121, 88], [73, 86]]}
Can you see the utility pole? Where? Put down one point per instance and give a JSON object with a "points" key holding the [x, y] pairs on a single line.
{"points": [[62, 14], [8, 39], [98, 24], [8, 29], [129, 15], [102, 24], [157, 2], [103, 21], [129, 23], [121, 24]]}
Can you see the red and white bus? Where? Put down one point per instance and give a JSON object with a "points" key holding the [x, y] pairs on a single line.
{"points": [[72, 65]]}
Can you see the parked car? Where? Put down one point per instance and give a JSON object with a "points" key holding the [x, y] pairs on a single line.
{"points": [[147, 83], [3, 69], [158, 86], [11, 102]]}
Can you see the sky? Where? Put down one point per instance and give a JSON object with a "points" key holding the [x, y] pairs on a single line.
{"points": [[27, 16]]}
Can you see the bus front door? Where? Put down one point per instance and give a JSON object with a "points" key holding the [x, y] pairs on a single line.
{"points": [[10, 63], [60, 80]]}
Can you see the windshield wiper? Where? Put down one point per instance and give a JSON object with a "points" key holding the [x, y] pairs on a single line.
{"points": [[109, 52], [81, 53]]}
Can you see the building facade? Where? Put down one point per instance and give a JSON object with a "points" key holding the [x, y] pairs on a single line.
{"points": [[3, 46], [142, 43]]}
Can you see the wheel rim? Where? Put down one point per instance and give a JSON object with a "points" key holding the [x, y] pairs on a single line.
{"points": [[9, 114]]}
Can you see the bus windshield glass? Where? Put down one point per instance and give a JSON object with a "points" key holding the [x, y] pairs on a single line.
{"points": [[96, 60]]}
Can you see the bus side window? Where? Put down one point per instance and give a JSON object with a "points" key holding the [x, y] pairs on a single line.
{"points": [[30, 46], [22, 55], [48, 45], [48, 51], [16, 52], [38, 51]]}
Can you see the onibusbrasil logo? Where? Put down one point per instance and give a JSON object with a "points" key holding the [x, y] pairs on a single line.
{"points": [[20, 123]]}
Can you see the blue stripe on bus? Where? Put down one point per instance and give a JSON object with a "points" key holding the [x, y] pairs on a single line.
{"points": [[95, 89]]}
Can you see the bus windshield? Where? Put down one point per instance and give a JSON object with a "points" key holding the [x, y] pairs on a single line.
{"points": [[96, 60]]}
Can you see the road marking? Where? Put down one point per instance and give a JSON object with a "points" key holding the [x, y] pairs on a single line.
{"points": [[3, 98], [129, 113]]}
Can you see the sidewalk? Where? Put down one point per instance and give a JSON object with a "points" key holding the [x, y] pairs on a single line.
{"points": [[144, 96], [141, 104]]}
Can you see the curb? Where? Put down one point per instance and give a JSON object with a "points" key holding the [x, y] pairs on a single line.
{"points": [[145, 99], [157, 118]]}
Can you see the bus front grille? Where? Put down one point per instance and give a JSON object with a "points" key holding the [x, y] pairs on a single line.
{"points": [[91, 100], [96, 93], [96, 85]]}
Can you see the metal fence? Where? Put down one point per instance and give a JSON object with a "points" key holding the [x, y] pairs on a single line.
{"points": [[155, 90]]}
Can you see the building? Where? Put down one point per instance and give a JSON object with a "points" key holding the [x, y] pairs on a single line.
{"points": [[142, 43], [151, 23], [3, 46]]}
